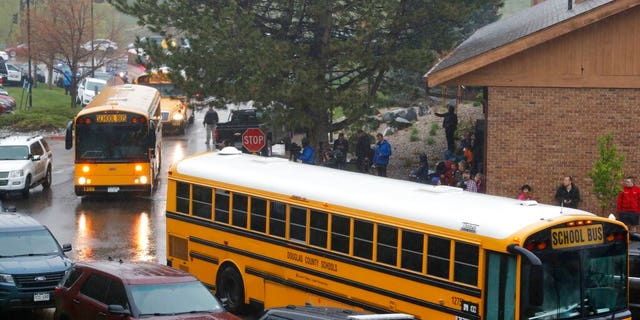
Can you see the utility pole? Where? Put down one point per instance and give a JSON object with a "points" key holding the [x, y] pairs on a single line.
{"points": [[29, 96], [93, 49]]}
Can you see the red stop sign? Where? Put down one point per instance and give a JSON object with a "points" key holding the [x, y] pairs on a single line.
{"points": [[253, 139]]}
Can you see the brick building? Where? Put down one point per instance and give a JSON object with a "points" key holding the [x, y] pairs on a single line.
{"points": [[556, 76]]}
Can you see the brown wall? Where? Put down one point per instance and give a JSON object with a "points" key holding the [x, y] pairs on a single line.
{"points": [[538, 135], [604, 54]]}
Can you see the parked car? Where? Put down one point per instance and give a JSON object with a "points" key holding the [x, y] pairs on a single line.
{"points": [[88, 88], [102, 45], [32, 263], [4, 55], [134, 290], [25, 162], [310, 312], [18, 52], [7, 102], [14, 75]]}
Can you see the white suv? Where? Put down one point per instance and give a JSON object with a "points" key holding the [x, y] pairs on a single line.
{"points": [[25, 162], [88, 88]]}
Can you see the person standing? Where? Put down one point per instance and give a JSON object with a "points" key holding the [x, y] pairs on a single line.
{"points": [[479, 179], [363, 149], [526, 193], [628, 204], [450, 124], [568, 194], [381, 155], [307, 154], [210, 122], [340, 149]]}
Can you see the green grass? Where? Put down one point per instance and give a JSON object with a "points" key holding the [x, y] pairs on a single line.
{"points": [[50, 110], [414, 135]]}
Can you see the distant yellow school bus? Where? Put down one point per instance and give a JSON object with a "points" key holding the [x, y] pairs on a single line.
{"points": [[271, 232], [175, 111], [118, 140]]}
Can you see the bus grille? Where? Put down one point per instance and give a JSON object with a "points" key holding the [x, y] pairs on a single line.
{"points": [[38, 280]]}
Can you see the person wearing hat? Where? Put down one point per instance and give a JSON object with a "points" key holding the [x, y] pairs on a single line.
{"points": [[210, 122]]}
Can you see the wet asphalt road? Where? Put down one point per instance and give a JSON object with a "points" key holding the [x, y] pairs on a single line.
{"points": [[128, 228]]}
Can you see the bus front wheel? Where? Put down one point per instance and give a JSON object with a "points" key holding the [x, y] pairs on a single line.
{"points": [[230, 290]]}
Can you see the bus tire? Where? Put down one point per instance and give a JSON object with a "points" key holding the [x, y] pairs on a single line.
{"points": [[230, 290]]}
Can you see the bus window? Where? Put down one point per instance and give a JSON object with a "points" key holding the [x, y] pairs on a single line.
{"points": [[239, 218], [258, 214], [438, 257], [340, 227], [298, 223], [318, 232], [387, 250], [202, 202], [277, 218], [500, 287], [222, 206], [182, 197], [412, 246], [363, 239], [466, 263]]}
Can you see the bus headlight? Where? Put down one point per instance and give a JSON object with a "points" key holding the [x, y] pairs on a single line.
{"points": [[143, 179], [178, 117], [82, 180], [138, 167], [85, 169]]}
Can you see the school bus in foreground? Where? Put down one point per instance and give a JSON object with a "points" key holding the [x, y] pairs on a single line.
{"points": [[270, 232], [176, 114], [118, 140]]}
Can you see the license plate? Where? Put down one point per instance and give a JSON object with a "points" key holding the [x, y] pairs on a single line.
{"points": [[41, 296], [113, 189]]}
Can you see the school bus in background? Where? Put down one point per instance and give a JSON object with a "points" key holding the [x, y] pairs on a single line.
{"points": [[118, 142], [271, 232], [176, 114]]}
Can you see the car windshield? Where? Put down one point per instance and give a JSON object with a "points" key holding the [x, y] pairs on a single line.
{"points": [[92, 85], [579, 283], [173, 298], [27, 243], [166, 89], [14, 153]]}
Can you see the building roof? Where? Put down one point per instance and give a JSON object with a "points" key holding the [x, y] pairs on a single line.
{"points": [[541, 19]]}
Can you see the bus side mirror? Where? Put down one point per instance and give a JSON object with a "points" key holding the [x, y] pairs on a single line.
{"points": [[536, 283], [68, 136]]}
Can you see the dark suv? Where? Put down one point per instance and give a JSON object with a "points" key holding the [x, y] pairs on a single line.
{"points": [[309, 312], [32, 263], [634, 275]]}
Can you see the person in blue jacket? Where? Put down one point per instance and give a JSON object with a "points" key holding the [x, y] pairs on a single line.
{"points": [[307, 154], [381, 155]]}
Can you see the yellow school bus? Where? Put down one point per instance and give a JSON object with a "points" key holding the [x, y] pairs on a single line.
{"points": [[176, 115], [118, 141], [271, 232]]}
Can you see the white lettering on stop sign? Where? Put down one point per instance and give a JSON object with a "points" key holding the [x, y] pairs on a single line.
{"points": [[253, 139]]}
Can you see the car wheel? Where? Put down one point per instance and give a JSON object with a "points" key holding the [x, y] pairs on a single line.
{"points": [[46, 184], [27, 185], [230, 290]]}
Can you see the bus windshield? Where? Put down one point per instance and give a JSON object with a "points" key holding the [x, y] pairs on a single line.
{"points": [[579, 283], [166, 89], [112, 142]]}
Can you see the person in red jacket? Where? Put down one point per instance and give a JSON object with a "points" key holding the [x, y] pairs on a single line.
{"points": [[629, 204]]}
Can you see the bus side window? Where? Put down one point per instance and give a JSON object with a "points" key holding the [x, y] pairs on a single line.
{"points": [[438, 250], [387, 245], [319, 225], [202, 197], [412, 248], [363, 239], [466, 263], [298, 223], [258, 214], [340, 235], [222, 206], [182, 197], [239, 217], [277, 218]]}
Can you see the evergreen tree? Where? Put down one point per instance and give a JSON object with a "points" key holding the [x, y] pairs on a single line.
{"points": [[300, 59]]}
